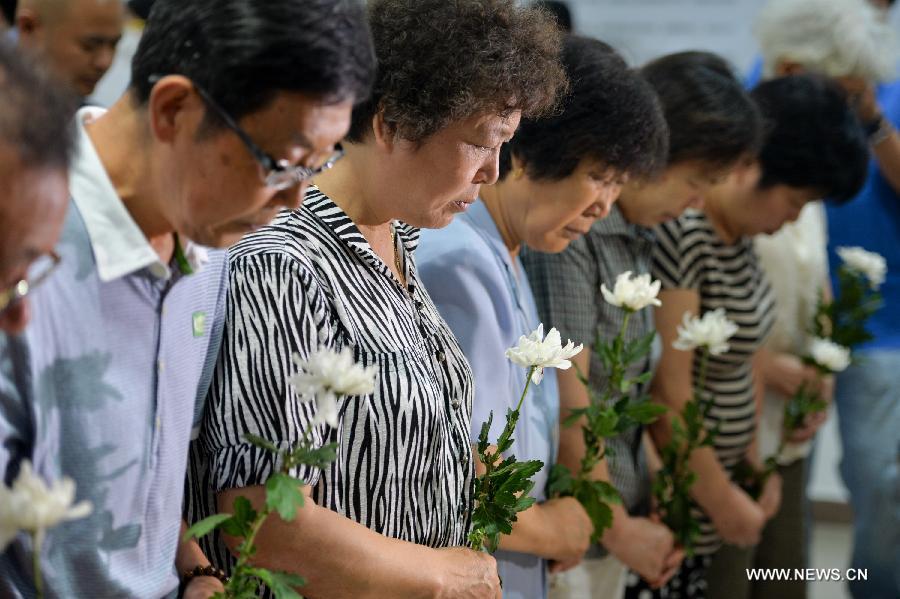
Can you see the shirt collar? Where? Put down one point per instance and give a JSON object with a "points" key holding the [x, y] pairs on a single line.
{"points": [[481, 220], [120, 247]]}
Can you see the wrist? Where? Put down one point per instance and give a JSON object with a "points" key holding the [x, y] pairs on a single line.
{"points": [[613, 536], [207, 571]]}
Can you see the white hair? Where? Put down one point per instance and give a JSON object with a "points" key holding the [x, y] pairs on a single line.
{"points": [[835, 37]]}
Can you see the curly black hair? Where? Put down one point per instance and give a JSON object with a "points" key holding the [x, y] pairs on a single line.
{"points": [[36, 112], [440, 62], [711, 117], [610, 114], [813, 137]]}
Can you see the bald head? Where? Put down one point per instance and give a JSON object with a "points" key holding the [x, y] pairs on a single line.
{"points": [[75, 38]]}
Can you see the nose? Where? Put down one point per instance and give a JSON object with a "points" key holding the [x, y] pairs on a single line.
{"points": [[15, 317], [489, 171]]}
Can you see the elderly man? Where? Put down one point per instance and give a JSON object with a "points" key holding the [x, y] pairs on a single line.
{"points": [[75, 38], [850, 41], [35, 144], [233, 106]]}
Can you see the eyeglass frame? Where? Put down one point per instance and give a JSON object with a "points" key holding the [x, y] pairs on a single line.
{"points": [[24, 287], [278, 174]]}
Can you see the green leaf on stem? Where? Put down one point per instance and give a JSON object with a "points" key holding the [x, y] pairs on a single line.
{"points": [[241, 520], [204, 527], [258, 441], [314, 457], [282, 584], [284, 496]]}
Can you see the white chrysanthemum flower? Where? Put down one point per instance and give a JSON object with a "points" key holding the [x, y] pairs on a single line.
{"points": [[535, 351], [870, 264], [712, 331], [32, 506], [328, 374], [632, 293], [829, 355]]}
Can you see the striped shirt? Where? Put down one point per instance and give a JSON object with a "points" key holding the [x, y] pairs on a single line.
{"points": [[690, 255], [308, 281]]}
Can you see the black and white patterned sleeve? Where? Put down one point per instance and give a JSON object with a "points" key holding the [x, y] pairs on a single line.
{"points": [[273, 312]]}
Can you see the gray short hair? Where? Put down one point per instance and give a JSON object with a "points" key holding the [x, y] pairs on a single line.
{"points": [[834, 37]]}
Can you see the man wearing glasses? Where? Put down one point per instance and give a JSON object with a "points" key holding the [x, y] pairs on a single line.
{"points": [[35, 147], [234, 105]]}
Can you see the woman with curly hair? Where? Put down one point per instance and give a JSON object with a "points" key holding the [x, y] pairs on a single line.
{"points": [[389, 517], [558, 175], [712, 123]]}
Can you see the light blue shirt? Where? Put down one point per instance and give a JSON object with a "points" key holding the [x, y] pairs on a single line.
{"points": [[105, 387], [484, 296]]}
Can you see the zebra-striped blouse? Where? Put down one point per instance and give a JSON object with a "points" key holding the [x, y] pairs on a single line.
{"points": [[690, 255], [308, 281]]}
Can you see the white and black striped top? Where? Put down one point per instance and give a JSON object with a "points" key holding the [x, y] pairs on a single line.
{"points": [[690, 255], [307, 281]]}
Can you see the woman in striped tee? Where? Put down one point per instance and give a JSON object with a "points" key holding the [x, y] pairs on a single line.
{"points": [[706, 260]]}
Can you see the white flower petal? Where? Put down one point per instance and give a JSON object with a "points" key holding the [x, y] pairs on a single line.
{"points": [[873, 266], [829, 355], [328, 374]]}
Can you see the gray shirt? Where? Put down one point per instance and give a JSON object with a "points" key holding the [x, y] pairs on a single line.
{"points": [[105, 387], [567, 290]]}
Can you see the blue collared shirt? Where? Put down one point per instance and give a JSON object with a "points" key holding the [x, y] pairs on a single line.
{"points": [[484, 296], [105, 387]]}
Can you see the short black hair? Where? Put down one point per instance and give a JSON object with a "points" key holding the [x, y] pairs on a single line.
{"points": [[559, 10], [440, 62], [36, 112], [610, 114], [813, 137], [711, 117], [140, 8], [8, 7], [244, 52]]}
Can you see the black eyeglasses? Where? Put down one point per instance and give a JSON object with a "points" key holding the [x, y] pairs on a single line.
{"points": [[39, 272], [277, 174]]}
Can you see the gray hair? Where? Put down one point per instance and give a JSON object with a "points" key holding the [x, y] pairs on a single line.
{"points": [[834, 37]]}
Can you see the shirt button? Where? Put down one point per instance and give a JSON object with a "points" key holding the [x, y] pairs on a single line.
{"points": [[464, 457], [455, 404], [420, 305], [158, 270], [441, 356]]}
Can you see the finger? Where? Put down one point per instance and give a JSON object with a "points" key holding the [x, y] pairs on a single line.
{"points": [[675, 558], [664, 578]]}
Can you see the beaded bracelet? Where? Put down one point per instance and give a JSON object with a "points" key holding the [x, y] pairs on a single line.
{"points": [[204, 571]]}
